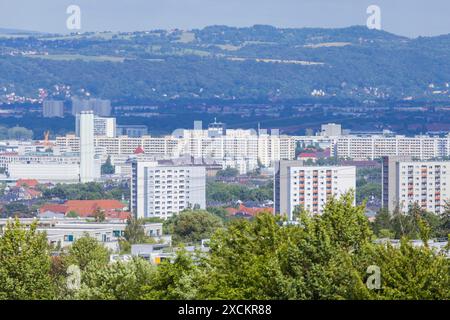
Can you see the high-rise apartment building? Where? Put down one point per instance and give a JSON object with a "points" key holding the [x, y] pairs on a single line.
{"points": [[103, 127], [53, 109], [309, 187], [406, 182], [161, 191], [88, 163]]}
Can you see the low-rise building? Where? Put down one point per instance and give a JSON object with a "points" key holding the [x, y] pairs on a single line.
{"points": [[63, 232], [112, 209]]}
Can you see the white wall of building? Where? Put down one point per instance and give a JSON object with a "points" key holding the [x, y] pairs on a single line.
{"points": [[161, 191], [310, 187], [88, 172], [56, 172], [424, 183]]}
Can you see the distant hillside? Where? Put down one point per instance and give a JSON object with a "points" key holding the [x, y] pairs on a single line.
{"points": [[219, 62], [16, 31]]}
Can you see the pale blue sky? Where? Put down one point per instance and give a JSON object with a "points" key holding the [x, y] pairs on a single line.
{"points": [[404, 17]]}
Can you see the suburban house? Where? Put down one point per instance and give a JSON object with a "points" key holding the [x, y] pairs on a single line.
{"points": [[245, 212], [113, 209]]}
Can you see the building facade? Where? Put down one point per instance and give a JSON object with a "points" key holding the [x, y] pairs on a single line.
{"points": [[424, 183], [309, 187], [161, 191], [45, 172], [237, 144], [103, 127], [370, 147], [89, 164]]}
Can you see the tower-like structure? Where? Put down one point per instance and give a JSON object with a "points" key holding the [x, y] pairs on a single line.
{"points": [[87, 150]]}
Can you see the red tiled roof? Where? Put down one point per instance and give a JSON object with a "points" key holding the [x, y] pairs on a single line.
{"points": [[87, 208], [307, 155], [121, 215], [243, 210], [56, 208], [27, 182]]}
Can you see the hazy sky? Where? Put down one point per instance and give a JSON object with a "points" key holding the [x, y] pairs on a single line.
{"points": [[404, 17]]}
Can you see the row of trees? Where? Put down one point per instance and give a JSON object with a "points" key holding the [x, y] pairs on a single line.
{"points": [[16, 133], [398, 224], [86, 191], [324, 257], [227, 193]]}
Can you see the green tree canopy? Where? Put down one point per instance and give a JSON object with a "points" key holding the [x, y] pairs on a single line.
{"points": [[85, 251], [192, 225], [24, 263]]}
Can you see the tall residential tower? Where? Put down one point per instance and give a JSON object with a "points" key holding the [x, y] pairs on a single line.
{"points": [[88, 163]]}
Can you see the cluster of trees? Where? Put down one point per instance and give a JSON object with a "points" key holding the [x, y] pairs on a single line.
{"points": [[107, 167], [227, 173], [323, 257], [191, 226], [87, 191], [16, 209], [16, 133], [368, 184], [227, 193], [397, 224]]}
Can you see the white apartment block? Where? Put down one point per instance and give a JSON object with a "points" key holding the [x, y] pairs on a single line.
{"points": [[65, 231], [413, 182], [162, 191], [45, 172], [377, 146], [6, 159], [88, 160], [105, 127], [309, 187], [236, 144], [243, 165]]}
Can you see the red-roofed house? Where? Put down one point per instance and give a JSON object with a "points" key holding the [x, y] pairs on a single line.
{"points": [[53, 208], [243, 211], [314, 155], [113, 209], [87, 208], [307, 156], [30, 183]]}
